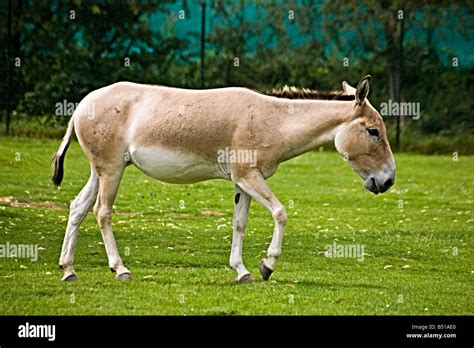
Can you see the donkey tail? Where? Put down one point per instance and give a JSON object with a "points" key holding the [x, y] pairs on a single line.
{"points": [[58, 157]]}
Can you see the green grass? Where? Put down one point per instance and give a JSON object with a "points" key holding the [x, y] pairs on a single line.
{"points": [[422, 227]]}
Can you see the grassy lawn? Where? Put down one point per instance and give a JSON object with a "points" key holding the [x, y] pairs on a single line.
{"points": [[175, 240]]}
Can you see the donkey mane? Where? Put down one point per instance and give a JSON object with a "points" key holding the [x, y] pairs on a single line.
{"points": [[292, 92]]}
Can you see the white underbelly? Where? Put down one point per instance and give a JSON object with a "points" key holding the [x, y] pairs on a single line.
{"points": [[175, 167]]}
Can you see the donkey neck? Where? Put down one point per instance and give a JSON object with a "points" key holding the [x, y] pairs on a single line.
{"points": [[308, 124]]}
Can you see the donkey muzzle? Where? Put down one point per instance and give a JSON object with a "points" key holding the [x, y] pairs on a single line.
{"points": [[378, 185]]}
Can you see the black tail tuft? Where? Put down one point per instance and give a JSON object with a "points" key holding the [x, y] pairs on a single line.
{"points": [[58, 166], [58, 158]]}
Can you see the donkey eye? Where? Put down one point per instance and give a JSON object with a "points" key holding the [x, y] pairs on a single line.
{"points": [[373, 131]]}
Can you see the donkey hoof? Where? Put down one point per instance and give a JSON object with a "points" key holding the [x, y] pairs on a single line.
{"points": [[69, 278], [247, 278], [124, 276], [265, 271]]}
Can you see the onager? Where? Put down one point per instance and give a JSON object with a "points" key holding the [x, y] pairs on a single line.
{"points": [[184, 136]]}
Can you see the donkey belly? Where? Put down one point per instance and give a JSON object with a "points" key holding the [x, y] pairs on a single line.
{"points": [[174, 167]]}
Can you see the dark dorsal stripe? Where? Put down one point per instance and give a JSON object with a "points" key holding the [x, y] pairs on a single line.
{"points": [[291, 92]]}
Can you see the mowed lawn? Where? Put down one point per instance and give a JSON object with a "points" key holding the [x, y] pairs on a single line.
{"points": [[417, 238]]}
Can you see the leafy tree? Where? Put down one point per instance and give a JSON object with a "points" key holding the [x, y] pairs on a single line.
{"points": [[65, 50]]}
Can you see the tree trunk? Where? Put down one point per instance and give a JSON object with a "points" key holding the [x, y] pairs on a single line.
{"points": [[9, 66], [394, 37], [203, 40]]}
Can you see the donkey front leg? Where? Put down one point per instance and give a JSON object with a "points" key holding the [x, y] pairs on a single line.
{"points": [[108, 188], [254, 184], [241, 212]]}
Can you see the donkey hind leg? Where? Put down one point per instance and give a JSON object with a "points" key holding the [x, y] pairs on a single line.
{"points": [[108, 187], [79, 208], [254, 184], [241, 211]]}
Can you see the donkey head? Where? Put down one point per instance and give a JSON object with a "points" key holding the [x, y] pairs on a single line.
{"points": [[363, 141]]}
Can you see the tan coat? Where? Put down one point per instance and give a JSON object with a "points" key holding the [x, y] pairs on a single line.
{"points": [[185, 136]]}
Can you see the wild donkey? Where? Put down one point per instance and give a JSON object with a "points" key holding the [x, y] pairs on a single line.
{"points": [[176, 135]]}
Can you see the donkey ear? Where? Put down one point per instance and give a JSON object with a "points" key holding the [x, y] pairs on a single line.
{"points": [[348, 89], [363, 88]]}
